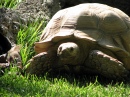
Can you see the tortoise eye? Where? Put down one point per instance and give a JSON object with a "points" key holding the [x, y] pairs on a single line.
{"points": [[71, 49]]}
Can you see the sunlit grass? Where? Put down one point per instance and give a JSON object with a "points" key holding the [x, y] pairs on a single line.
{"points": [[19, 86], [27, 37], [9, 3]]}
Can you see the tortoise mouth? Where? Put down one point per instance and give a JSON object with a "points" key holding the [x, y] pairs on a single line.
{"points": [[5, 45]]}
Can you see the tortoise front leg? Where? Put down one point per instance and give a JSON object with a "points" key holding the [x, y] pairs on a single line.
{"points": [[40, 63], [106, 65]]}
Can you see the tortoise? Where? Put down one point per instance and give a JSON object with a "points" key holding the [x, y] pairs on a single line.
{"points": [[87, 38], [8, 54], [9, 51]]}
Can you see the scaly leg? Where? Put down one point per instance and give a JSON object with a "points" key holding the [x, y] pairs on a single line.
{"points": [[106, 65], [40, 63]]}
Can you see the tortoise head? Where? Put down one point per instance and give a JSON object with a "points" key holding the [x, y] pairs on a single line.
{"points": [[68, 52]]}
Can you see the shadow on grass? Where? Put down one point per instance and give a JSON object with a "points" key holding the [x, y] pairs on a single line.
{"points": [[82, 79], [19, 85]]}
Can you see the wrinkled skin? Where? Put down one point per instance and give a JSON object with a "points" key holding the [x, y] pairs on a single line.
{"points": [[106, 65], [41, 63], [96, 61], [67, 52]]}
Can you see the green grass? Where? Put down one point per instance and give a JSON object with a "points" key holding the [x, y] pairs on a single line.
{"points": [[27, 37], [19, 86], [12, 85], [9, 3]]}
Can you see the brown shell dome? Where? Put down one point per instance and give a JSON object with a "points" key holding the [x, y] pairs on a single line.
{"points": [[99, 24]]}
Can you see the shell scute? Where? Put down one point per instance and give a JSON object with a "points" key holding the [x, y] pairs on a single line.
{"points": [[111, 22], [101, 25]]}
